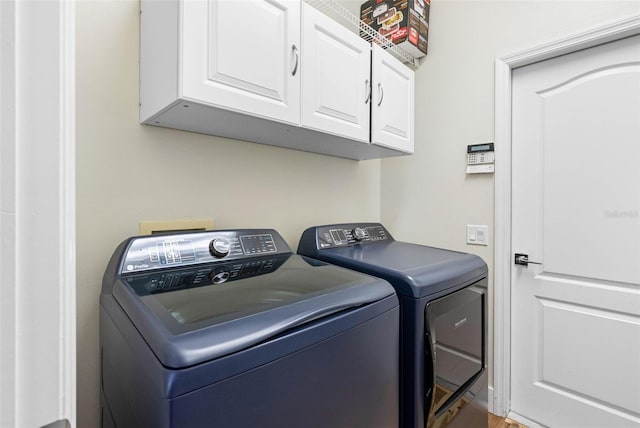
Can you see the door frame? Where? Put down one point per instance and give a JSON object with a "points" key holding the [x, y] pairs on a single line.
{"points": [[500, 397], [37, 213]]}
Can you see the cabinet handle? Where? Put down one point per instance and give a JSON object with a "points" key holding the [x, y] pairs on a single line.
{"points": [[380, 93], [294, 49], [368, 87]]}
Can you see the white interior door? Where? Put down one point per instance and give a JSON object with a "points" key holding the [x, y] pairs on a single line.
{"points": [[575, 345]]}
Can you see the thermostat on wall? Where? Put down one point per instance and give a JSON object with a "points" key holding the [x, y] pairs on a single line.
{"points": [[480, 158]]}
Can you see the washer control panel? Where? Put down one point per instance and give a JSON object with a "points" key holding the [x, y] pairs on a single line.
{"points": [[185, 249], [145, 283], [342, 235]]}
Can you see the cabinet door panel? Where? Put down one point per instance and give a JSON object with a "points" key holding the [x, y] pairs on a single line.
{"points": [[240, 54], [335, 77], [393, 102]]}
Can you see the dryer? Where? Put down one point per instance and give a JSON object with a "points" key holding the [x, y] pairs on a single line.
{"points": [[443, 327], [230, 328]]}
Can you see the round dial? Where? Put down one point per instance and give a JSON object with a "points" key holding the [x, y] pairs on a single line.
{"points": [[358, 234], [219, 247]]}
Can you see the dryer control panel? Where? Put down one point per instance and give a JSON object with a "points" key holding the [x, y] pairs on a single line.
{"points": [[342, 235], [185, 249]]}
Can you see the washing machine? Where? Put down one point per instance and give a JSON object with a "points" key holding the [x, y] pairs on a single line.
{"points": [[231, 329], [443, 313]]}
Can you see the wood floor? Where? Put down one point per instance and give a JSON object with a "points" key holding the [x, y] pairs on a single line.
{"points": [[498, 422]]}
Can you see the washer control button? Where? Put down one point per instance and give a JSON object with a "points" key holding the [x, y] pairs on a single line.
{"points": [[220, 278], [219, 247]]}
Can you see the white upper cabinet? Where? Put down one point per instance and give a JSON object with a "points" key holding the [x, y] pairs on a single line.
{"points": [[243, 55], [273, 72], [336, 82], [392, 111]]}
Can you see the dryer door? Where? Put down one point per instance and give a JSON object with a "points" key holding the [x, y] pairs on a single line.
{"points": [[455, 349]]}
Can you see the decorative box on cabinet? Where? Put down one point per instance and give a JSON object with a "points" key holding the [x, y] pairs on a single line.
{"points": [[201, 71]]}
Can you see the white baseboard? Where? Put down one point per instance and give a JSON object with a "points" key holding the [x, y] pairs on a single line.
{"points": [[490, 400], [524, 421]]}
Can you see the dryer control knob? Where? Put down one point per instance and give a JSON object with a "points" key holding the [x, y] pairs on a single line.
{"points": [[358, 234], [219, 247]]}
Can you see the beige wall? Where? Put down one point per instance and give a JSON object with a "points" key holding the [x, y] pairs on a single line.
{"points": [[427, 197], [127, 172]]}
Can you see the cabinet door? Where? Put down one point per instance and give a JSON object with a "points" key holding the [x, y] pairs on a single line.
{"points": [[243, 55], [393, 101], [335, 77]]}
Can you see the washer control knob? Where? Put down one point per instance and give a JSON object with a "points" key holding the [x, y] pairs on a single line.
{"points": [[358, 234], [219, 247]]}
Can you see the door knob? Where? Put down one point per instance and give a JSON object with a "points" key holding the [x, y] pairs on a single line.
{"points": [[523, 259]]}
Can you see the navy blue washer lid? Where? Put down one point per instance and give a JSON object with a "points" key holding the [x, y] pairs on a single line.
{"points": [[192, 319], [414, 270]]}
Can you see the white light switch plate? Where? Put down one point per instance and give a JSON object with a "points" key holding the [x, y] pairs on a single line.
{"points": [[477, 234]]}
